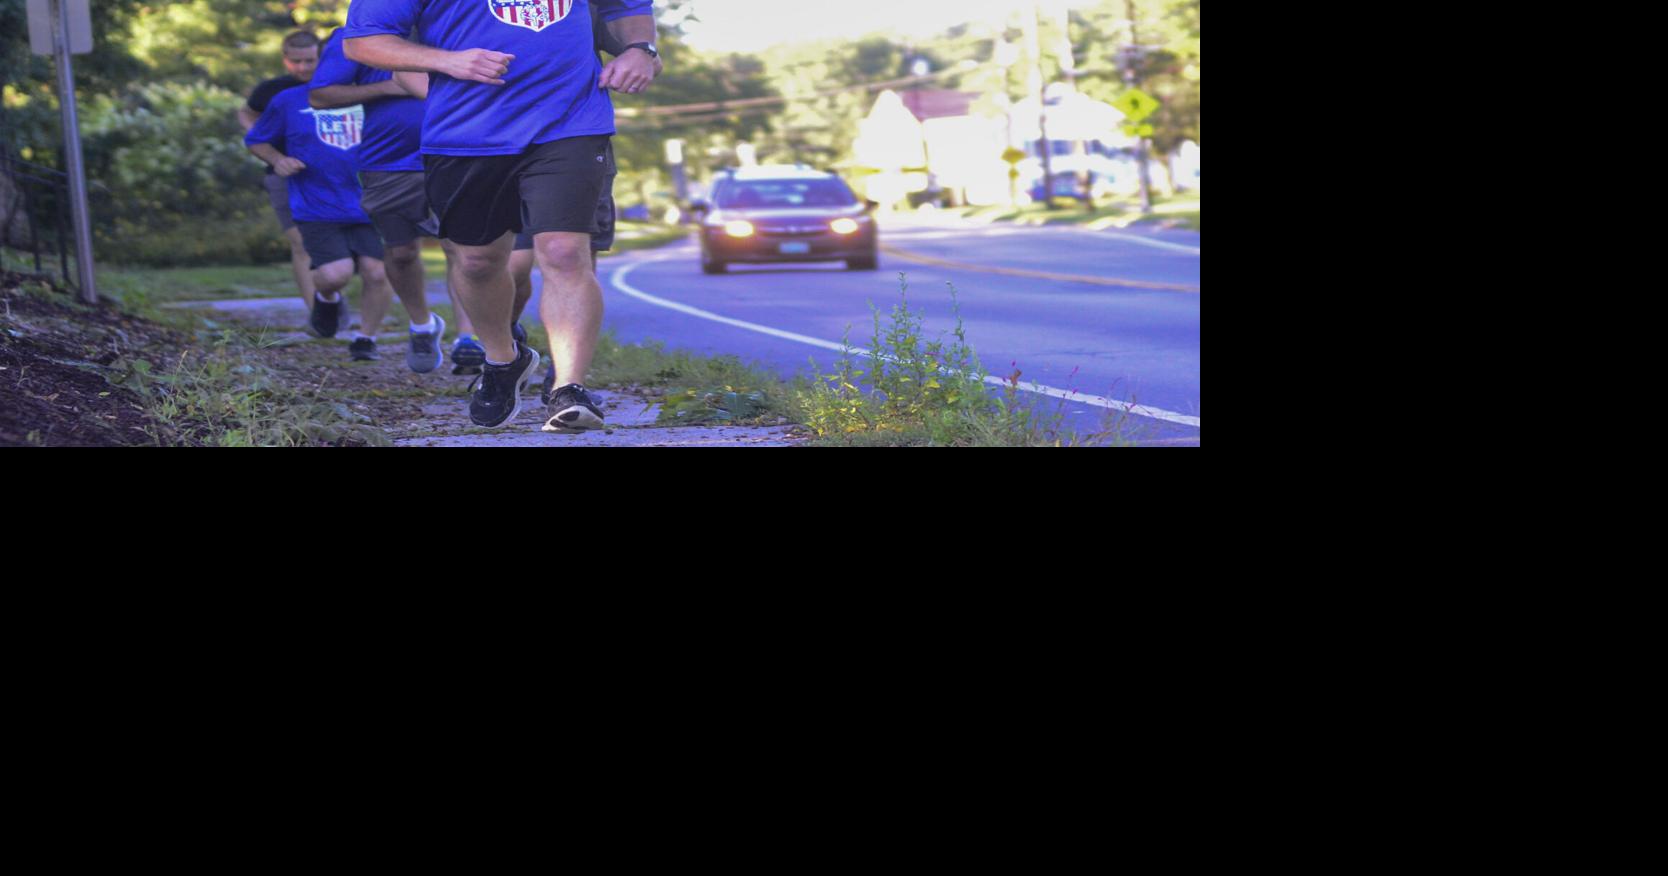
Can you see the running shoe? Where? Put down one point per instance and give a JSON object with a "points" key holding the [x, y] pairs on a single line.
{"points": [[425, 354], [326, 317], [498, 397], [468, 355], [517, 332], [364, 350], [573, 410]]}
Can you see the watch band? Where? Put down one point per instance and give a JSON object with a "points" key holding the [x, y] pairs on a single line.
{"points": [[647, 47]]}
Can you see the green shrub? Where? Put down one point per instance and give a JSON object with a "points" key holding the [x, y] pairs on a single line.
{"points": [[170, 181]]}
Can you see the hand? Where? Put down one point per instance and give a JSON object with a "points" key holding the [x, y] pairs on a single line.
{"points": [[479, 65], [288, 167], [631, 72]]}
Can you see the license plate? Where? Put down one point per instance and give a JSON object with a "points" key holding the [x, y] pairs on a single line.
{"points": [[795, 248]]}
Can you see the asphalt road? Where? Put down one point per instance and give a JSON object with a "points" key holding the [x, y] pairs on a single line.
{"points": [[1108, 349]]}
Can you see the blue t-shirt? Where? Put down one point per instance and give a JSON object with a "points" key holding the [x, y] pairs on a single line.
{"points": [[393, 125], [550, 92], [325, 141]]}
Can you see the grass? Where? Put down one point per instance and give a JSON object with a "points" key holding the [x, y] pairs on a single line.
{"points": [[142, 289], [217, 396]]}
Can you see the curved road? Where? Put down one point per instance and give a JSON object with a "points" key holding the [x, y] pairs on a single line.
{"points": [[1088, 349]]}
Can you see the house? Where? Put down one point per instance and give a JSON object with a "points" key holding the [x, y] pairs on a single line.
{"points": [[934, 140]]}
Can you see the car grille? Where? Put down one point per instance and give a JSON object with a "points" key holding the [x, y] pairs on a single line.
{"points": [[793, 230]]}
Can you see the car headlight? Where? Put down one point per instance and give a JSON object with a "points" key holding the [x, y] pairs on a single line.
{"points": [[844, 226], [738, 228]]}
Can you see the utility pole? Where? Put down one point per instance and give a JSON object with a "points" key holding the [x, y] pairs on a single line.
{"points": [[1033, 44], [1079, 149], [1132, 55]]}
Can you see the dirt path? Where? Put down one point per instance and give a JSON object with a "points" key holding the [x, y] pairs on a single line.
{"points": [[432, 410]]}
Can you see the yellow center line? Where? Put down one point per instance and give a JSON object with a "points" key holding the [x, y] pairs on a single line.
{"points": [[1038, 275]]}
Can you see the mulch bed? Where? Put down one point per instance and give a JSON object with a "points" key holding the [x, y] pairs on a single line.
{"points": [[54, 356]]}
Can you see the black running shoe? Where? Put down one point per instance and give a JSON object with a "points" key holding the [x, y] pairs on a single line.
{"points": [[498, 398], [364, 350], [573, 410], [548, 388], [326, 318]]}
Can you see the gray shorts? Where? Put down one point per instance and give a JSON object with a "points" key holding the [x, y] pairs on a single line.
{"points": [[278, 193], [398, 206]]}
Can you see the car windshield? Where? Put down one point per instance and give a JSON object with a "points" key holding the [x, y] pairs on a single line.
{"points": [[766, 194]]}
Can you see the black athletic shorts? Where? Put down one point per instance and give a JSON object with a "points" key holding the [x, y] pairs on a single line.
{"points": [[552, 186], [398, 206], [327, 242], [602, 236]]}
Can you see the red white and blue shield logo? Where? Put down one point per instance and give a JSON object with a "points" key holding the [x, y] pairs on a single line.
{"points": [[535, 15], [342, 128]]}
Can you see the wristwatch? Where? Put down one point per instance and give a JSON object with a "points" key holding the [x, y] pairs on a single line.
{"points": [[647, 47]]}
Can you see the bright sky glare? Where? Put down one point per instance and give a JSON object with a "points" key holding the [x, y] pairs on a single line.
{"points": [[752, 25]]}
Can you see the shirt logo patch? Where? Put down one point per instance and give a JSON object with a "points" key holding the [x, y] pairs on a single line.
{"points": [[535, 15], [342, 128]]}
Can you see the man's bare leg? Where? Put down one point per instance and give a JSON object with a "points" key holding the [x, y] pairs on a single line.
{"points": [[302, 266], [486, 291], [571, 306], [521, 268], [404, 265], [375, 296], [464, 325]]}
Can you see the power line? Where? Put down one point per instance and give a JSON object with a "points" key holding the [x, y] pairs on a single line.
{"points": [[728, 107]]}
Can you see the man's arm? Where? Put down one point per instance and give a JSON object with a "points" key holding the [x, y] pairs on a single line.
{"points": [[332, 96], [415, 84], [247, 117], [388, 52], [283, 164], [631, 72]]}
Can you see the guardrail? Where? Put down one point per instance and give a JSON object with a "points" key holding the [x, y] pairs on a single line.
{"points": [[33, 196]]}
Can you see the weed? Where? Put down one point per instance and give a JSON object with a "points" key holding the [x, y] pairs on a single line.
{"points": [[215, 398], [924, 392]]}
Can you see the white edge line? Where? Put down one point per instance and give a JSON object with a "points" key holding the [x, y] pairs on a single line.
{"points": [[1161, 244], [618, 279], [939, 234]]}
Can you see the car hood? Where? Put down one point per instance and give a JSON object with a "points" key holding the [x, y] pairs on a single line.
{"points": [[787, 217]]}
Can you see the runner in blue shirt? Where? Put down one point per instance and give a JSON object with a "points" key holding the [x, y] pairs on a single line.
{"points": [[602, 237], [516, 139], [391, 177], [318, 160], [301, 57]]}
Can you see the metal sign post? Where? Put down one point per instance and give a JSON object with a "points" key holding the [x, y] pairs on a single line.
{"points": [[60, 28]]}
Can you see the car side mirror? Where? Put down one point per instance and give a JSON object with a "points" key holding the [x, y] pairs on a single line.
{"points": [[871, 206], [699, 207]]}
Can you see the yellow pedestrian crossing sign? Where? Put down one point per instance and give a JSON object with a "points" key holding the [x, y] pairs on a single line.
{"points": [[1136, 104], [1013, 156]]}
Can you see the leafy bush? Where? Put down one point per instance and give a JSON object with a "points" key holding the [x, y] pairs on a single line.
{"points": [[172, 183]]}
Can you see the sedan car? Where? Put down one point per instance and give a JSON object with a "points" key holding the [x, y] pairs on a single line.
{"points": [[762, 215]]}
